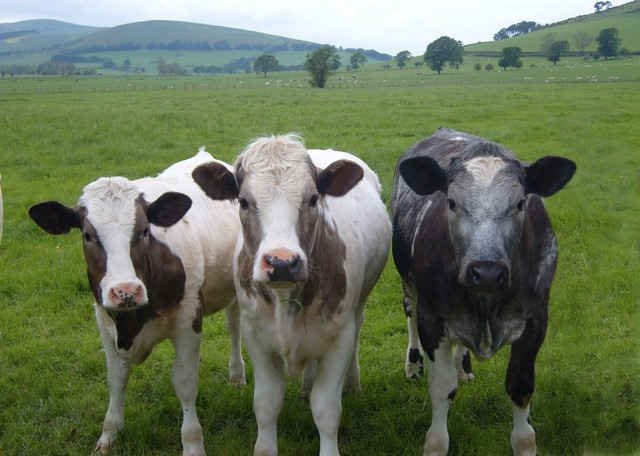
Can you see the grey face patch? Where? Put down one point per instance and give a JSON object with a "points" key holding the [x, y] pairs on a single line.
{"points": [[485, 212]]}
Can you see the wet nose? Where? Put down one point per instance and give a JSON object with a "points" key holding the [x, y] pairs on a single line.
{"points": [[282, 266], [487, 275], [126, 295]]}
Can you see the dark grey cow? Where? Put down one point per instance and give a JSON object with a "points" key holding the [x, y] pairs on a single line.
{"points": [[476, 252]]}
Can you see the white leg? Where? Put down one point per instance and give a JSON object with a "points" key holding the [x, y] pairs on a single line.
{"points": [[185, 382], [443, 381], [414, 363], [326, 395], [236, 364], [268, 394], [463, 375], [308, 376], [523, 437], [117, 377], [353, 377]]}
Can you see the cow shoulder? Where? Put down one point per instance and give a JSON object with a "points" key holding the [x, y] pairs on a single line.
{"points": [[539, 249]]}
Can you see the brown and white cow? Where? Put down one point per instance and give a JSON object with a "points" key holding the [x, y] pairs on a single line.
{"points": [[159, 257], [315, 238], [476, 252]]}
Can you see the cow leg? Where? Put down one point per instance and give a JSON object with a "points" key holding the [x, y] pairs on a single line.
{"points": [[117, 376], [414, 363], [326, 394], [185, 382], [443, 381], [236, 364], [463, 363], [308, 376], [353, 377], [520, 383], [268, 394]]}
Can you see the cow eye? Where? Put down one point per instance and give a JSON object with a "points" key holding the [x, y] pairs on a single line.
{"points": [[452, 204], [313, 200], [521, 204], [244, 204], [87, 237]]}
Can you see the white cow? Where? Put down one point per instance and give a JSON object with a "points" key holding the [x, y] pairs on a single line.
{"points": [[155, 268], [315, 238]]}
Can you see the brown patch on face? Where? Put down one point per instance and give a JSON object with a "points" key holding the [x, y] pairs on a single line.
{"points": [[162, 274], [94, 255]]}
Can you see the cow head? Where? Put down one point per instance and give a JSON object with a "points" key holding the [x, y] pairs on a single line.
{"points": [[115, 223], [281, 195], [486, 192]]}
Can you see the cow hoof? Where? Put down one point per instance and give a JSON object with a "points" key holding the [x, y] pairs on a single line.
{"points": [[436, 444], [104, 444], [464, 377], [237, 376], [413, 370], [264, 452], [194, 451], [238, 382]]}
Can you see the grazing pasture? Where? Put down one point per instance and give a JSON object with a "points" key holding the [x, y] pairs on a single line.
{"points": [[56, 135]]}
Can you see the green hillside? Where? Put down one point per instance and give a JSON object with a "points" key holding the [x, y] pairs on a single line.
{"points": [[626, 18], [158, 34], [39, 34]]}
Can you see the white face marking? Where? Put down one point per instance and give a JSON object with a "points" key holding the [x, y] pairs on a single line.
{"points": [[484, 169], [277, 178], [110, 204]]}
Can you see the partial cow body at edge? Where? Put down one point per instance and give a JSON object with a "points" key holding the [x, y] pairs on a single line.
{"points": [[159, 257], [315, 238], [474, 247]]}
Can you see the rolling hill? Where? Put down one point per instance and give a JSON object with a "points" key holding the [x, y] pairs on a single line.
{"points": [[626, 18], [143, 44]]}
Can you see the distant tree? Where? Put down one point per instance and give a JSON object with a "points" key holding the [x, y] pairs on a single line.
{"points": [[624, 52], [358, 59], [126, 63], [556, 50], [521, 28], [266, 64], [441, 51], [401, 58], [477, 67], [547, 41], [321, 63], [169, 68], [608, 42], [582, 40], [418, 63], [386, 66], [510, 57], [599, 6], [108, 63]]}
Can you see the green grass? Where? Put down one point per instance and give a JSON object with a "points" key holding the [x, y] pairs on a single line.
{"points": [[59, 134], [625, 18]]}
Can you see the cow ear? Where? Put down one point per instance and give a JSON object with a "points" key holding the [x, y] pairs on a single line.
{"points": [[168, 209], [216, 181], [548, 175], [54, 218], [423, 175], [338, 178]]}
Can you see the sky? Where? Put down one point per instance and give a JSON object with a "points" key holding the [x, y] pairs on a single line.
{"points": [[387, 26]]}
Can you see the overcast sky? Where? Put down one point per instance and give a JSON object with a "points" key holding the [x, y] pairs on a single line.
{"points": [[388, 26]]}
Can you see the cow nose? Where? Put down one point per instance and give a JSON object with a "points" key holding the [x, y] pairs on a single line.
{"points": [[126, 295], [487, 275], [282, 266]]}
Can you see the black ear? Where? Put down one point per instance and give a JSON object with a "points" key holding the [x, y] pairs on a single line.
{"points": [[424, 175], [216, 181], [54, 218], [339, 177], [548, 175], [168, 209]]}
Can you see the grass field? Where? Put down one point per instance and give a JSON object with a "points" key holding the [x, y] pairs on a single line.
{"points": [[59, 134]]}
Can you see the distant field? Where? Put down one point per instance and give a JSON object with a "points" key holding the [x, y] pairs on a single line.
{"points": [[626, 19], [60, 133]]}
